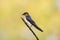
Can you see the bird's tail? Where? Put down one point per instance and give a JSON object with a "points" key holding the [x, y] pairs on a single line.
{"points": [[38, 28]]}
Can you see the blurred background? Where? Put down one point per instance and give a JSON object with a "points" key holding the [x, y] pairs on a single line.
{"points": [[46, 13]]}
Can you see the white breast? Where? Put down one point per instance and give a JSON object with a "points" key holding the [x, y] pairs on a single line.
{"points": [[27, 22]]}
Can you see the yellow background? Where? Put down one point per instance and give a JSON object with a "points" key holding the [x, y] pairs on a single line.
{"points": [[44, 12]]}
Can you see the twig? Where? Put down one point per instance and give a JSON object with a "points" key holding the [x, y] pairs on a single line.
{"points": [[30, 29]]}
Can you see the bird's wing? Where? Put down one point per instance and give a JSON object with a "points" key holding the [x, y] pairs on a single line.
{"points": [[31, 21]]}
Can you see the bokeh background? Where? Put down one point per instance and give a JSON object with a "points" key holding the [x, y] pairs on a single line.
{"points": [[46, 13]]}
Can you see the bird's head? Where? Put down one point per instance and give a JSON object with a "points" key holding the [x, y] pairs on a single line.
{"points": [[25, 13]]}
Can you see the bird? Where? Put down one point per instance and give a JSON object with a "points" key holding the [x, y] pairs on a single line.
{"points": [[31, 21]]}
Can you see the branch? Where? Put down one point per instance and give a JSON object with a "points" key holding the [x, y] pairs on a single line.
{"points": [[30, 28]]}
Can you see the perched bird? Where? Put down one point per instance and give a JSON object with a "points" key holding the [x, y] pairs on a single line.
{"points": [[29, 19]]}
